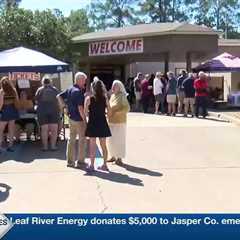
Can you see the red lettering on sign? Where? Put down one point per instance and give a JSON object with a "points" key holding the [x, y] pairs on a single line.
{"points": [[139, 45], [102, 49], [108, 50], [121, 46], [113, 47], [24, 75], [130, 45], [94, 48], [116, 47]]}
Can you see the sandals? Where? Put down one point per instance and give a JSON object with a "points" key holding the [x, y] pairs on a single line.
{"points": [[119, 162], [113, 159], [104, 167]]}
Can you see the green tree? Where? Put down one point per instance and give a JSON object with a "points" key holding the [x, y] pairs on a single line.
{"points": [[46, 31], [112, 13], [199, 12], [16, 28], [51, 32], [222, 15], [9, 3], [225, 14], [78, 22], [163, 10]]}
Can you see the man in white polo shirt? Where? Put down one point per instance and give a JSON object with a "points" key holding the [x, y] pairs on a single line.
{"points": [[158, 92]]}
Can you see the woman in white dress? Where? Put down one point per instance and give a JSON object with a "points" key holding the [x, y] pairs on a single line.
{"points": [[119, 107]]}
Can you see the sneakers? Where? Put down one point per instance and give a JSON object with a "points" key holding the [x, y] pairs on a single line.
{"points": [[81, 164], [71, 165], [90, 169]]}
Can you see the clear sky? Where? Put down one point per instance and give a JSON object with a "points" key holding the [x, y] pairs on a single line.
{"points": [[64, 5]]}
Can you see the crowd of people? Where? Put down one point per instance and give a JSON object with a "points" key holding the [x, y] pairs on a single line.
{"points": [[169, 94], [92, 115], [96, 114]]}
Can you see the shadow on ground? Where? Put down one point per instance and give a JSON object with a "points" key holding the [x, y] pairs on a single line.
{"points": [[216, 119], [4, 192], [140, 170], [27, 152], [118, 178], [201, 118]]}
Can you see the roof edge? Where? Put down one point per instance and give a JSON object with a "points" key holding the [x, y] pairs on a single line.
{"points": [[75, 41]]}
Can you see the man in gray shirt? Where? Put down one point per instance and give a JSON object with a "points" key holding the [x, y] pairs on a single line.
{"points": [[48, 113]]}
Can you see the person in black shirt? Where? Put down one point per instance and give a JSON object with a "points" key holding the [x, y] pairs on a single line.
{"points": [[189, 91], [180, 91], [96, 107]]}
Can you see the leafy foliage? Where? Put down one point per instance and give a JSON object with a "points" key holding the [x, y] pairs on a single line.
{"points": [[9, 3], [112, 13], [78, 22], [163, 10], [47, 31]]}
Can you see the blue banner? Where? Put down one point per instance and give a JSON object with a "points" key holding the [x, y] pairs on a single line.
{"points": [[124, 226]]}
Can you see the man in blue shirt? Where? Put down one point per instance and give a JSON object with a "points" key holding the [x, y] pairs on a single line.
{"points": [[189, 92], [171, 94], [73, 100], [180, 91]]}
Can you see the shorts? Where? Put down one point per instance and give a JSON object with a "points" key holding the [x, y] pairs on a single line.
{"points": [[180, 95], [48, 118], [9, 113], [171, 99], [158, 98], [190, 101]]}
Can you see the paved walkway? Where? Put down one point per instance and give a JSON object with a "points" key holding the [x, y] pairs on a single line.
{"points": [[173, 165]]}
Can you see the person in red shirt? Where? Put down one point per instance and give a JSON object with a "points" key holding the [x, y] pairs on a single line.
{"points": [[201, 94]]}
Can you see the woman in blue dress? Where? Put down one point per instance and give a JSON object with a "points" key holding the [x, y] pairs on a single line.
{"points": [[8, 111]]}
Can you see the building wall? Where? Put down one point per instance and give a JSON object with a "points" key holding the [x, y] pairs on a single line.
{"points": [[132, 69], [235, 83], [234, 50], [227, 82]]}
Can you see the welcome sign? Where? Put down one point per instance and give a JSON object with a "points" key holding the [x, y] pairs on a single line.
{"points": [[116, 47]]}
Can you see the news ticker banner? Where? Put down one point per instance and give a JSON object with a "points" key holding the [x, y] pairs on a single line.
{"points": [[107, 226]]}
